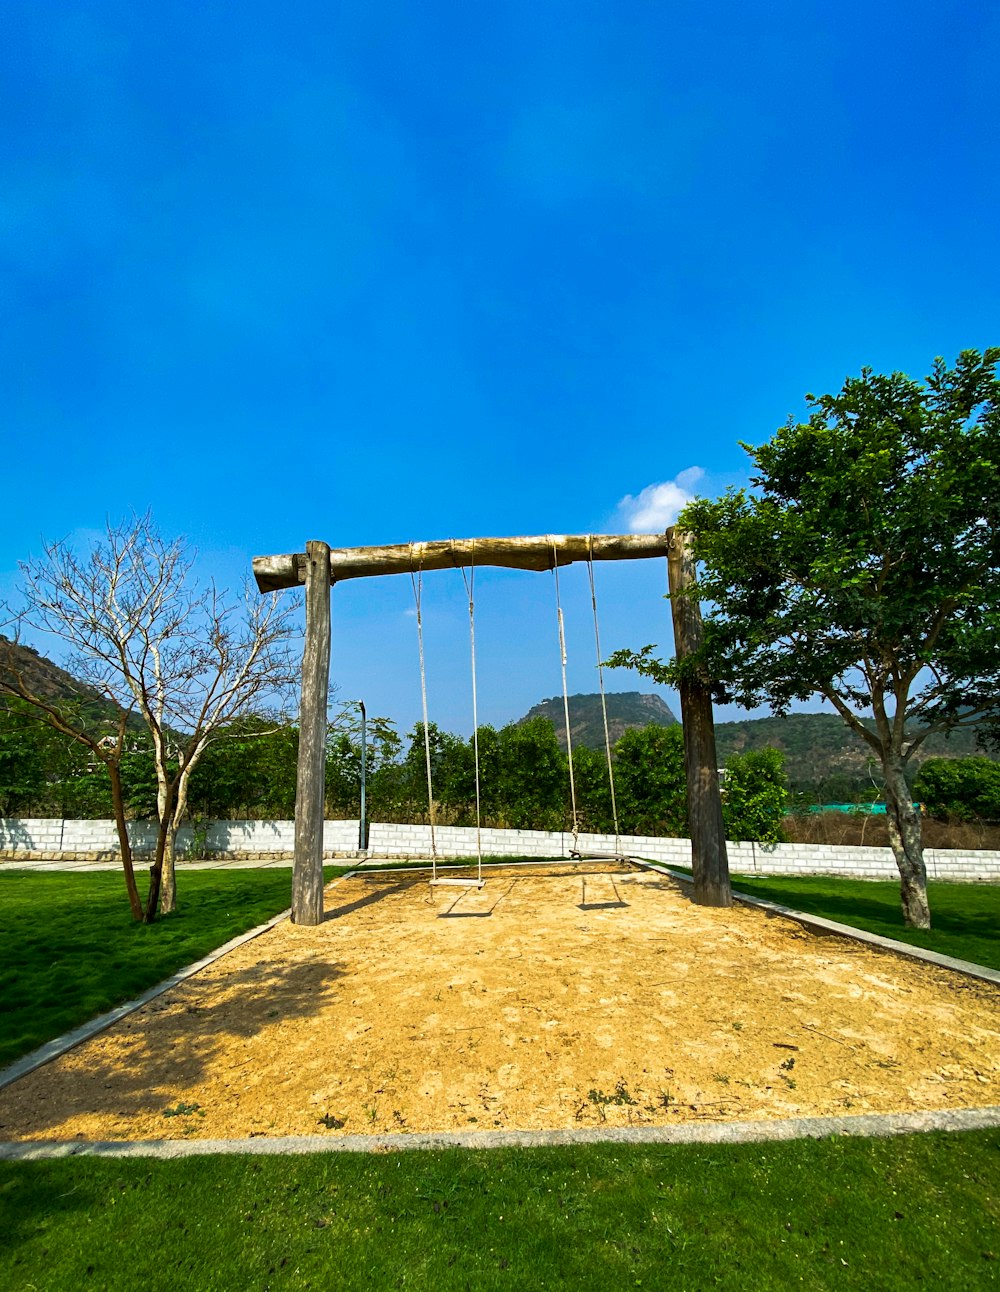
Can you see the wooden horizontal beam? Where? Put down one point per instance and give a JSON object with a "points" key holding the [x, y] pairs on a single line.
{"points": [[541, 553]]}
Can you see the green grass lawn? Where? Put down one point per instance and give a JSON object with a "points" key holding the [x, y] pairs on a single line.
{"points": [[69, 948], [965, 918], [915, 1212]]}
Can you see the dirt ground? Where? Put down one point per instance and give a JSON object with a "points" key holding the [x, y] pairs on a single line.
{"points": [[555, 997]]}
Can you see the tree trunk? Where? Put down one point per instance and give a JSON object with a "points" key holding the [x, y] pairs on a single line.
{"points": [[906, 838], [124, 842], [164, 835], [171, 803], [307, 876], [709, 858], [168, 879], [154, 902], [168, 890], [155, 873]]}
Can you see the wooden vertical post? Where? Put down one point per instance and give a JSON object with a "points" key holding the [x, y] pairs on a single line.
{"points": [[307, 877], [709, 860]]}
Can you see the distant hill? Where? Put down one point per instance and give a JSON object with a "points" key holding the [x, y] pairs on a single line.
{"points": [[822, 757], [626, 709], [51, 682]]}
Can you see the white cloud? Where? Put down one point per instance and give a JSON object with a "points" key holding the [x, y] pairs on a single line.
{"points": [[658, 505]]}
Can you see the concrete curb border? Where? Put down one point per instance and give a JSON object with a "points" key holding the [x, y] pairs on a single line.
{"points": [[868, 1125], [819, 924], [61, 1045], [54, 1049]]}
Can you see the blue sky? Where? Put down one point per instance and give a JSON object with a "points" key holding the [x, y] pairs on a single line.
{"points": [[375, 273]]}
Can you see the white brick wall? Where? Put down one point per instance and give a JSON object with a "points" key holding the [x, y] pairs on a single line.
{"points": [[100, 838], [744, 858], [269, 838]]}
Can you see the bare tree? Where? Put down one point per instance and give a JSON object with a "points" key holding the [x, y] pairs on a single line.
{"points": [[106, 742], [187, 660]]}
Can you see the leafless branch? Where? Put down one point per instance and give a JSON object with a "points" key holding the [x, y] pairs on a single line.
{"points": [[143, 635]]}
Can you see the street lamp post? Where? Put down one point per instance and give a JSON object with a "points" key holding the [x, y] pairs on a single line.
{"points": [[363, 827]]}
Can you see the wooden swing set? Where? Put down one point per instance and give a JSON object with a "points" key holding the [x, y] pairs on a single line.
{"points": [[320, 567]]}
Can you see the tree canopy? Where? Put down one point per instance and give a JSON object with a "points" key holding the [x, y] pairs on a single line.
{"points": [[862, 567], [180, 661]]}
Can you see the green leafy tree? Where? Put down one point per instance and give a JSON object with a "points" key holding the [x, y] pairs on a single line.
{"points": [[455, 780], [650, 783], [967, 789], [413, 781], [386, 790], [523, 779], [489, 774], [86, 796], [593, 790], [864, 568], [26, 747], [755, 796], [248, 770], [343, 761], [533, 777], [343, 774], [44, 771]]}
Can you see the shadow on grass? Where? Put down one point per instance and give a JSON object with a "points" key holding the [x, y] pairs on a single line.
{"points": [[38, 1200], [851, 907], [70, 951], [151, 1061]]}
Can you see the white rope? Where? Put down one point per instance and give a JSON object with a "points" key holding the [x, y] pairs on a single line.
{"points": [[470, 581], [604, 703], [417, 582], [569, 736]]}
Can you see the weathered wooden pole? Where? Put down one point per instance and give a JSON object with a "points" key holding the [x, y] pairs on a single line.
{"points": [[307, 877], [541, 552], [319, 567], [709, 860]]}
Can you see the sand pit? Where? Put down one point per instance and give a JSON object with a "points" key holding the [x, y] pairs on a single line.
{"points": [[553, 998]]}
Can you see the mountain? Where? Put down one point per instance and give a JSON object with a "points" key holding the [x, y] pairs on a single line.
{"points": [[823, 758], [51, 682], [626, 709]]}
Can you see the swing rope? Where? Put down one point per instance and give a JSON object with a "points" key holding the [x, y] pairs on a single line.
{"points": [[417, 581], [604, 702], [470, 581], [575, 851], [569, 734]]}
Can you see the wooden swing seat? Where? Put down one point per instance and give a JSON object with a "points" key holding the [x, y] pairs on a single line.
{"points": [[459, 883]]}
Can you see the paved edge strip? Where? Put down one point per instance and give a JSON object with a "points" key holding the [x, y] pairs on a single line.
{"points": [[868, 1125], [60, 1045], [820, 924], [70, 1040]]}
